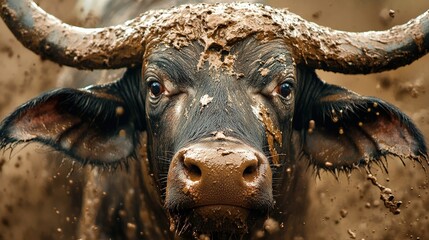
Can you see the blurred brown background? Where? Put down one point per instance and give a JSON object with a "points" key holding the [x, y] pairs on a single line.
{"points": [[33, 192]]}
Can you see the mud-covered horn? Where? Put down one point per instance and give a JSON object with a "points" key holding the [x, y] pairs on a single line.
{"points": [[123, 45], [87, 48], [358, 52]]}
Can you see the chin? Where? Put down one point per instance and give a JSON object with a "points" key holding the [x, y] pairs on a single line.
{"points": [[215, 222]]}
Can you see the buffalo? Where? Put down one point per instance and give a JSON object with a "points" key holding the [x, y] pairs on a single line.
{"points": [[231, 106]]}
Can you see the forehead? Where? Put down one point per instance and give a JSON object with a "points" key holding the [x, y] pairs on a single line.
{"points": [[249, 52]]}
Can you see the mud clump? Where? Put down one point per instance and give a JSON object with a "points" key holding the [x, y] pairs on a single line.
{"points": [[386, 196]]}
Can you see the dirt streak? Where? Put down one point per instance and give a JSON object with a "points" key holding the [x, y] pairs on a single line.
{"points": [[272, 132]]}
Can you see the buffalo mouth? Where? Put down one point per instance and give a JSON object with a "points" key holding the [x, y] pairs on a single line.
{"points": [[214, 222]]}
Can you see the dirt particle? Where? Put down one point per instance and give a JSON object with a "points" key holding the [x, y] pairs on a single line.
{"points": [[8, 50], [376, 203], [5, 222], [311, 126], [343, 213], [316, 15], [203, 237], [122, 133], [2, 162], [264, 71], [131, 226], [205, 100], [172, 225], [219, 135], [260, 234], [391, 13], [351, 234], [119, 111], [271, 226], [384, 83], [386, 16]]}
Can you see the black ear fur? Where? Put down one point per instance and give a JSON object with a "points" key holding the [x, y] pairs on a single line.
{"points": [[96, 125], [341, 130]]}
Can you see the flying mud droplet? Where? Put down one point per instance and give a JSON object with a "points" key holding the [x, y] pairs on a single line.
{"points": [[328, 164], [122, 133], [391, 13], [343, 213], [119, 111], [271, 226], [131, 226], [351, 234], [334, 116], [311, 126], [172, 225]]}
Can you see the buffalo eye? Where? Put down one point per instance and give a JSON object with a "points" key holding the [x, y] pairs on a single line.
{"points": [[155, 89], [285, 90]]}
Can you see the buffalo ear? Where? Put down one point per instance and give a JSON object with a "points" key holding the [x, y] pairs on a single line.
{"points": [[341, 130], [93, 125]]}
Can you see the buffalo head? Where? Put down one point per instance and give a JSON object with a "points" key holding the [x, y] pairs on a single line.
{"points": [[229, 99]]}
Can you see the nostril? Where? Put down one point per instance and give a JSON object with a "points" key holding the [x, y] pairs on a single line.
{"points": [[192, 170], [251, 171]]}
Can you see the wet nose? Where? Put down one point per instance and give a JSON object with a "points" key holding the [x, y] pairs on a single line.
{"points": [[219, 174], [241, 165]]}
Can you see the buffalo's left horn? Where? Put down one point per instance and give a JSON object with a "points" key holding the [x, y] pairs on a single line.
{"points": [[96, 48]]}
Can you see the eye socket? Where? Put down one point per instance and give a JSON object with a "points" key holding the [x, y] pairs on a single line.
{"points": [[285, 90], [156, 89]]}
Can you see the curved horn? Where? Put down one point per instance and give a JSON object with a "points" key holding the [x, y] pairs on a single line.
{"points": [[123, 45], [97, 48], [358, 53]]}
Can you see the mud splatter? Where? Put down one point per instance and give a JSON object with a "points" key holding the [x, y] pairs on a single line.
{"points": [[205, 100], [386, 195], [272, 132], [264, 71]]}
